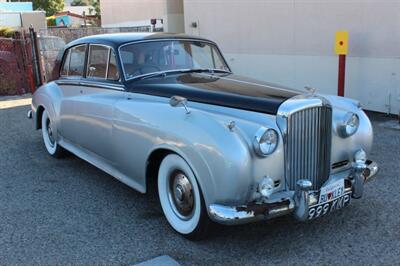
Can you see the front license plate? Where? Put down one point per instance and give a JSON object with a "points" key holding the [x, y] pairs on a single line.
{"points": [[332, 197]]}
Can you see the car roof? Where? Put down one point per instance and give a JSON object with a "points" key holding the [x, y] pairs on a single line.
{"points": [[117, 39]]}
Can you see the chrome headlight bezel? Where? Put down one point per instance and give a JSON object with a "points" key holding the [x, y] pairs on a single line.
{"points": [[266, 141], [349, 125]]}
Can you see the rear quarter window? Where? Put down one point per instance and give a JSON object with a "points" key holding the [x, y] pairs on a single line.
{"points": [[77, 60], [73, 61]]}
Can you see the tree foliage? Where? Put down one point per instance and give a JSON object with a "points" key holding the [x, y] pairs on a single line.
{"points": [[49, 6], [79, 3], [94, 8]]}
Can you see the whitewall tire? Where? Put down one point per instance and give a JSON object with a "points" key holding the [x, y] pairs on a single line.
{"points": [[49, 137], [181, 198]]}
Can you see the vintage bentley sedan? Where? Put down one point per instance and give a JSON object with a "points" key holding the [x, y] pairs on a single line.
{"points": [[218, 147]]}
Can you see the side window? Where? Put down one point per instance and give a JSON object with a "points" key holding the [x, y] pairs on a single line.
{"points": [[97, 61], [218, 61], [112, 68], [65, 66], [77, 60]]}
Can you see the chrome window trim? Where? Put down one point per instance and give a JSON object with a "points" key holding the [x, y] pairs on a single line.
{"points": [[88, 59], [65, 56], [91, 83], [69, 63], [160, 40], [108, 62]]}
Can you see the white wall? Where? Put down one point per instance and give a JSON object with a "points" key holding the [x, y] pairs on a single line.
{"points": [[291, 42], [14, 19], [127, 13]]}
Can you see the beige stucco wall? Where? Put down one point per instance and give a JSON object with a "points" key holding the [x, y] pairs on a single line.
{"points": [[36, 18], [24, 19], [125, 11], [298, 26], [291, 42], [120, 13]]}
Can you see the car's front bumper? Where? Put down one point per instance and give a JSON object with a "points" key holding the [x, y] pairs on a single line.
{"points": [[286, 202]]}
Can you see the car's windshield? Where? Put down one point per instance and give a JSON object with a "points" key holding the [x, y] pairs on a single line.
{"points": [[139, 59]]}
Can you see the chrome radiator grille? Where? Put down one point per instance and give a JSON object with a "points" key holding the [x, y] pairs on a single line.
{"points": [[308, 146]]}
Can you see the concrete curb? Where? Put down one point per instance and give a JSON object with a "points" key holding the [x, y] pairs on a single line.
{"points": [[162, 260]]}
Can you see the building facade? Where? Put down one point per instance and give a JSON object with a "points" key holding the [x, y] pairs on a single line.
{"points": [[138, 13]]}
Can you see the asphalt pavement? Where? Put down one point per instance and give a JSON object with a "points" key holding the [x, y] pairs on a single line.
{"points": [[68, 212]]}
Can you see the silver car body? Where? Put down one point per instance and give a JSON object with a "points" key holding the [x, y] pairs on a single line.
{"points": [[121, 132]]}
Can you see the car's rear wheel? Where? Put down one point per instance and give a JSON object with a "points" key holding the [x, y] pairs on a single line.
{"points": [[49, 140], [181, 198]]}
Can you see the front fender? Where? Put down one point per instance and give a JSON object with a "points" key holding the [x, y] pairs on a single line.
{"points": [[219, 157], [344, 148]]}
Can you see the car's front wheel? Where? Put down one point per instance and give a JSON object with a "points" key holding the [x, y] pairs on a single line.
{"points": [[181, 198], [49, 138]]}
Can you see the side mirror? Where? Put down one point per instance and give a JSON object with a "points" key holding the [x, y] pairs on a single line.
{"points": [[175, 101]]}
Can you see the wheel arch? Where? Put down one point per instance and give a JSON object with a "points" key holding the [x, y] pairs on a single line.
{"points": [[196, 164], [38, 119], [153, 163]]}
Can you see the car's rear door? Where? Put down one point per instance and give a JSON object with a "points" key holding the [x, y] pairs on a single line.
{"points": [[71, 75], [91, 107]]}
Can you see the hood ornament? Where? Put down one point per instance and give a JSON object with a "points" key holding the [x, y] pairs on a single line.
{"points": [[311, 90]]}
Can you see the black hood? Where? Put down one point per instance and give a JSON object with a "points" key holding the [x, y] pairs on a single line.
{"points": [[219, 89]]}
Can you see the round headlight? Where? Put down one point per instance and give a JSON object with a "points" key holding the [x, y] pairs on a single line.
{"points": [[265, 141], [349, 125]]}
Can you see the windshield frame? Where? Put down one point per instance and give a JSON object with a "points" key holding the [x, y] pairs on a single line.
{"points": [[213, 44]]}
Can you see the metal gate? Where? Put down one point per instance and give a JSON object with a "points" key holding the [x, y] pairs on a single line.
{"points": [[16, 65]]}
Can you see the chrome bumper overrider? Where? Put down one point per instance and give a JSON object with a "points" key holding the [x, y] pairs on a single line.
{"points": [[296, 202]]}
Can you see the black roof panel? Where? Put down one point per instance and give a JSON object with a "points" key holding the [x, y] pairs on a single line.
{"points": [[116, 39]]}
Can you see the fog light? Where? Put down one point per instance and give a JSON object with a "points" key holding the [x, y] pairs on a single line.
{"points": [[266, 186], [360, 157]]}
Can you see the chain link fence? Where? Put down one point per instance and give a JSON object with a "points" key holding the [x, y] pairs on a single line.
{"points": [[16, 74]]}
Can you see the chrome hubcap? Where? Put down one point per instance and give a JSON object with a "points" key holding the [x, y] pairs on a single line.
{"points": [[181, 193], [50, 132]]}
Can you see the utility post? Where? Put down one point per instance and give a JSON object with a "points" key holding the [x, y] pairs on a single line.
{"points": [[341, 49]]}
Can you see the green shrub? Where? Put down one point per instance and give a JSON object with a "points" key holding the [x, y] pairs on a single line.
{"points": [[7, 32]]}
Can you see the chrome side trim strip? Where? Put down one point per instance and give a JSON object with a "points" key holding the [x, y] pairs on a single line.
{"points": [[91, 84]]}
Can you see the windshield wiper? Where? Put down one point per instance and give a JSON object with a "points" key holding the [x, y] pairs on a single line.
{"points": [[209, 70], [174, 71]]}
